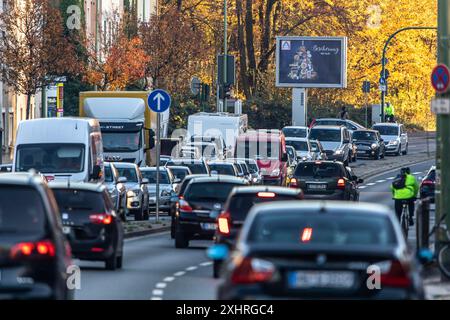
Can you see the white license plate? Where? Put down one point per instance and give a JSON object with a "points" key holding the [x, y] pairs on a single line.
{"points": [[321, 279], [66, 230], [208, 226], [317, 186]]}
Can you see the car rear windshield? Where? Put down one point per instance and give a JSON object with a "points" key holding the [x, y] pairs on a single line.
{"points": [[387, 130], [253, 167], [309, 228], [298, 145], [240, 204], [333, 135], [295, 132], [129, 173], [226, 169], [179, 173], [330, 123], [79, 200], [364, 135], [196, 167], [151, 176], [319, 170], [18, 216], [209, 191]]}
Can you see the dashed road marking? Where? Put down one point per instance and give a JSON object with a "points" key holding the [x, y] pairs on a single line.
{"points": [[362, 187], [381, 181], [391, 178], [169, 279], [191, 268], [205, 264], [156, 298], [179, 274], [371, 184], [161, 285], [158, 292]]}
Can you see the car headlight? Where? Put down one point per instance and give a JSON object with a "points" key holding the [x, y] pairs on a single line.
{"points": [[374, 146], [339, 152], [165, 193], [393, 142], [132, 194], [255, 180], [275, 173]]}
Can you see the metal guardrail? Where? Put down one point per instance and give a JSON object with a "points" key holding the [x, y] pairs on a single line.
{"points": [[423, 224]]}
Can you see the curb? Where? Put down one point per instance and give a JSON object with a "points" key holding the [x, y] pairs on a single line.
{"points": [[136, 234]]}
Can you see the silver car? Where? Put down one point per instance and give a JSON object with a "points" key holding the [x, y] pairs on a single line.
{"points": [[116, 187], [302, 148], [395, 137], [166, 189], [137, 190]]}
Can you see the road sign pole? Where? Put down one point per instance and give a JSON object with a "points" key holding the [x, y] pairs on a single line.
{"points": [[225, 52], [158, 158]]}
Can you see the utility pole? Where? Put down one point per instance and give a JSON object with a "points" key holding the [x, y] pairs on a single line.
{"points": [[443, 125], [225, 52]]}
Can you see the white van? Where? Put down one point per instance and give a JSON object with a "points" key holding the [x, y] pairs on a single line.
{"points": [[60, 149]]}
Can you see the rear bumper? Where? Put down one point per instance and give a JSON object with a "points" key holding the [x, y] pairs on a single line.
{"points": [[36, 291], [338, 195], [272, 181], [191, 227], [83, 250]]}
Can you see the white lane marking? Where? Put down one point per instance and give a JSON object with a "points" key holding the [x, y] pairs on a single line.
{"points": [[156, 298], [179, 274], [161, 285], [205, 264], [391, 178], [381, 181], [417, 172], [158, 292], [371, 184], [169, 279], [191, 268], [362, 187]]}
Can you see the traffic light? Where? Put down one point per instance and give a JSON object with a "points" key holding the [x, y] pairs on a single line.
{"points": [[206, 91], [225, 91], [151, 139]]}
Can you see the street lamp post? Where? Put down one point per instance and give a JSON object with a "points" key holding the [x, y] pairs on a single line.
{"points": [[383, 60], [225, 52]]}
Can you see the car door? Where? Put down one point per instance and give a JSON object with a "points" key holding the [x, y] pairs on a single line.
{"points": [[353, 185], [403, 137]]}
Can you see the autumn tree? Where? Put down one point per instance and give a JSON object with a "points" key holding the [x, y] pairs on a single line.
{"points": [[33, 49]]}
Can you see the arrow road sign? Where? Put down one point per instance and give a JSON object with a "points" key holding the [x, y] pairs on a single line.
{"points": [[159, 101], [440, 78]]}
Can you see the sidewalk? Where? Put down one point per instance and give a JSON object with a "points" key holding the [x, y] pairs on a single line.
{"points": [[436, 288]]}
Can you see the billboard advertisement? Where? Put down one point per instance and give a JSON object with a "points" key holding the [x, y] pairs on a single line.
{"points": [[311, 62]]}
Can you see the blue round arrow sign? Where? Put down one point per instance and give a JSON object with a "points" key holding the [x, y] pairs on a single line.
{"points": [[159, 101]]}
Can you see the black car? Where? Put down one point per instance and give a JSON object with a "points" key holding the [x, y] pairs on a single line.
{"points": [[202, 197], [326, 180], [321, 250], [90, 222], [196, 166], [428, 184], [34, 254], [369, 144], [239, 203]]}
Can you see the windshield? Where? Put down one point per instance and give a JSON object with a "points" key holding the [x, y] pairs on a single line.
{"points": [[322, 170], [121, 141], [196, 167], [253, 167], [298, 145], [108, 174], [179, 173], [387, 130], [225, 169], [206, 149], [364, 135], [19, 216], [295, 132], [308, 228], [151, 176], [259, 150], [50, 158], [129, 173], [70, 199], [330, 135], [212, 191]]}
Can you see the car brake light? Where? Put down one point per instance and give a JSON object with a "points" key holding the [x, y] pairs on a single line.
{"points": [[28, 249], [293, 183], [102, 218], [341, 183], [252, 270], [427, 182], [224, 223], [307, 234], [184, 206], [396, 276], [266, 195]]}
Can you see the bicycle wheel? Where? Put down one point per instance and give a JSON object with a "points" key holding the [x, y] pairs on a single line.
{"points": [[404, 223], [443, 260]]}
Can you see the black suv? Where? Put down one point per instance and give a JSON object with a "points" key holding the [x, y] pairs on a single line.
{"points": [[326, 180], [238, 205], [34, 254], [194, 218], [369, 144]]}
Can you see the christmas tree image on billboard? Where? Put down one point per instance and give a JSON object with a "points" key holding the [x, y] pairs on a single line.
{"points": [[302, 68]]}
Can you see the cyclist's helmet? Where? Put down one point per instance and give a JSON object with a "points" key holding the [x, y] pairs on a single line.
{"points": [[405, 170]]}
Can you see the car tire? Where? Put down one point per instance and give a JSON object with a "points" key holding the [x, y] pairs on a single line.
{"points": [[111, 262], [180, 241], [119, 262], [216, 268], [399, 152], [138, 215], [406, 150]]}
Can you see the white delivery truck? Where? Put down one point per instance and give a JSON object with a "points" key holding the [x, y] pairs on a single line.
{"points": [[128, 126], [60, 148], [226, 125]]}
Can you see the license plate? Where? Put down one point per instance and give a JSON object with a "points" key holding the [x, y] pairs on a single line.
{"points": [[208, 226], [317, 186], [66, 230], [321, 279]]}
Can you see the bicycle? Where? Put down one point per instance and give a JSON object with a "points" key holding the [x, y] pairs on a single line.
{"points": [[404, 218], [443, 256]]}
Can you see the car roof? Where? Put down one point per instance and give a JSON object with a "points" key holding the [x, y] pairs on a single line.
{"points": [[296, 127], [275, 189], [218, 178], [331, 119], [179, 167], [94, 187], [124, 165], [322, 161], [21, 178], [328, 127], [297, 139], [191, 161], [365, 130], [387, 124], [161, 168], [227, 163]]}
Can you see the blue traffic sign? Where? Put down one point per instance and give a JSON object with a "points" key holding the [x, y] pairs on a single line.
{"points": [[440, 78], [159, 101]]}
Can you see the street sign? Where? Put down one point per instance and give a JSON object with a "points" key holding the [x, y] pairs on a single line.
{"points": [[383, 87], [159, 101], [440, 106], [385, 61], [366, 87], [382, 81], [195, 86], [385, 75], [440, 78]]}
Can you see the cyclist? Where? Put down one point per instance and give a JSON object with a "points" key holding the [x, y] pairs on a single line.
{"points": [[404, 189]]}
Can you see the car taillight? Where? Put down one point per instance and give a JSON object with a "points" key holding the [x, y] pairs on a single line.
{"points": [[428, 182], [44, 248], [395, 275], [252, 270], [266, 195], [101, 218], [293, 183], [341, 183], [185, 206], [223, 223]]}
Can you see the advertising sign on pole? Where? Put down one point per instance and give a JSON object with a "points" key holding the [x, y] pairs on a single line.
{"points": [[60, 100]]}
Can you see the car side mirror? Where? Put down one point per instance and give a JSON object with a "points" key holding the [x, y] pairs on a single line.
{"points": [[145, 181], [177, 180], [122, 180], [96, 172]]}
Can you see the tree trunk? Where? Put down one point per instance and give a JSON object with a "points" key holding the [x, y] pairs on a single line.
{"points": [[266, 35], [250, 44], [28, 106], [241, 45]]}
